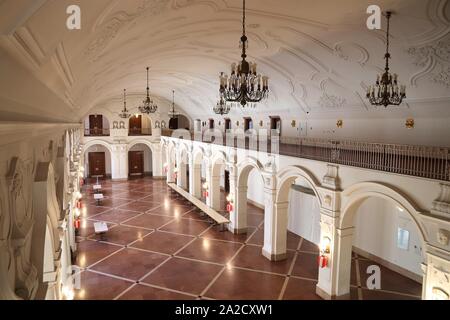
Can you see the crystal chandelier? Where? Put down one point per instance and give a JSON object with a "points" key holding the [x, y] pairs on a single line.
{"points": [[244, 84], [221, 107], [172, 113], [386, 91], [148, 105], [124, 114]]}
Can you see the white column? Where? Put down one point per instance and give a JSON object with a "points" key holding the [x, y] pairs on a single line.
{"points": [[214, 192], [195, 179], [239, 215], [334, 279], [182, 176], [209, 183], [275, 227], [157, 163], [119, 162]]}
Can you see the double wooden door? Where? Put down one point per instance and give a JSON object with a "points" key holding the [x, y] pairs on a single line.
{"points": [[97, 165], [136, 125], [96, 124], [136, 163]]}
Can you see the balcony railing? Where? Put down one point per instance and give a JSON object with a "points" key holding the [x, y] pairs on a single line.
{"points": [[140, 132], [419, 161], [96, 132]]}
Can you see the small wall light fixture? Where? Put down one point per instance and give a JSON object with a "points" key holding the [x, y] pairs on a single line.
{"points": [[409, 124], [339, 124]]}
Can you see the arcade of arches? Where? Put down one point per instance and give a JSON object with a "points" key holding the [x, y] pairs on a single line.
{"points": [[310, 195]]}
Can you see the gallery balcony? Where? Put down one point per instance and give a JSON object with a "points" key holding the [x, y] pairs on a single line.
{"points": [[96, 132], [140, 132]]}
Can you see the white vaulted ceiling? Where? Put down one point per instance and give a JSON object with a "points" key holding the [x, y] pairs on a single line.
{"points": [[319, 55]]}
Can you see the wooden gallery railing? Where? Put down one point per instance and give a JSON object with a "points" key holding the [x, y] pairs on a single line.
{"points": [[419, 161]]}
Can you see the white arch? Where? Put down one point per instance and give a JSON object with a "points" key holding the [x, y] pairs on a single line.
{"points": [[219, 159], [132, 143], [359, 192], [245, 167], [288, 175], [95, 142], [198, 154]]}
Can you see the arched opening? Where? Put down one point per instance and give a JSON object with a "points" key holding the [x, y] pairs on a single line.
{"points": [[296, 227], [182, 169], [140, 161], [249, 207], [218, 184], [96, 125], [179, 122], [387, 242], [140, 125], [97, 161], [198, 174]]}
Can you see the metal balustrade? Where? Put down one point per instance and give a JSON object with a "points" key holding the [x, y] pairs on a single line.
{"points": [[420, 161], [96, 132], [140, 131]]}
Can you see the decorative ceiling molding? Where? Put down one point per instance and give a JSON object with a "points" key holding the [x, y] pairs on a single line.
{"points": [[434, 61], [26, 45], [61, 63]]}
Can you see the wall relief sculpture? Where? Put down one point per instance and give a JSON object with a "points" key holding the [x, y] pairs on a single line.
{"points": [[19, 180]]}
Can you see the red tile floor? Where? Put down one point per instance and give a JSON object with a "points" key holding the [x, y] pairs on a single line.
{"points": [[160, 247]]}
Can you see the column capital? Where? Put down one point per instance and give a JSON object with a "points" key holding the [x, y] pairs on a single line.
{"points": [[331, 179], [441, 206]]}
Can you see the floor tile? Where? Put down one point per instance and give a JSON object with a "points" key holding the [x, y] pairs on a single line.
{"points": [[149, 221], [184, 275], [143, 292], [116, 216], [210, 250], [187, 226], [130, 263], [95, 286], [122, 235], [306, 266], [299, 289], [90, 252], [250, 257], [163, 242], [246, 285]]}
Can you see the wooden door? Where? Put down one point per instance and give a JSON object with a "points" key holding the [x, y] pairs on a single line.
{"points": [[173, 123], [95, 124], [248, 124], [227, 124], [227, 181], [275, 124], [136, 163], [97, 165], [211, 123], [135, 124]]}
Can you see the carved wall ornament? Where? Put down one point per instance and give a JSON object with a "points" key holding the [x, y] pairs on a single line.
{"points": [[443, 237], [121, 125], [439, 294], [331, 101], [434, 60], [441, 206], [117, 21], [157, 124], [328, 200], [115, 125]]}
